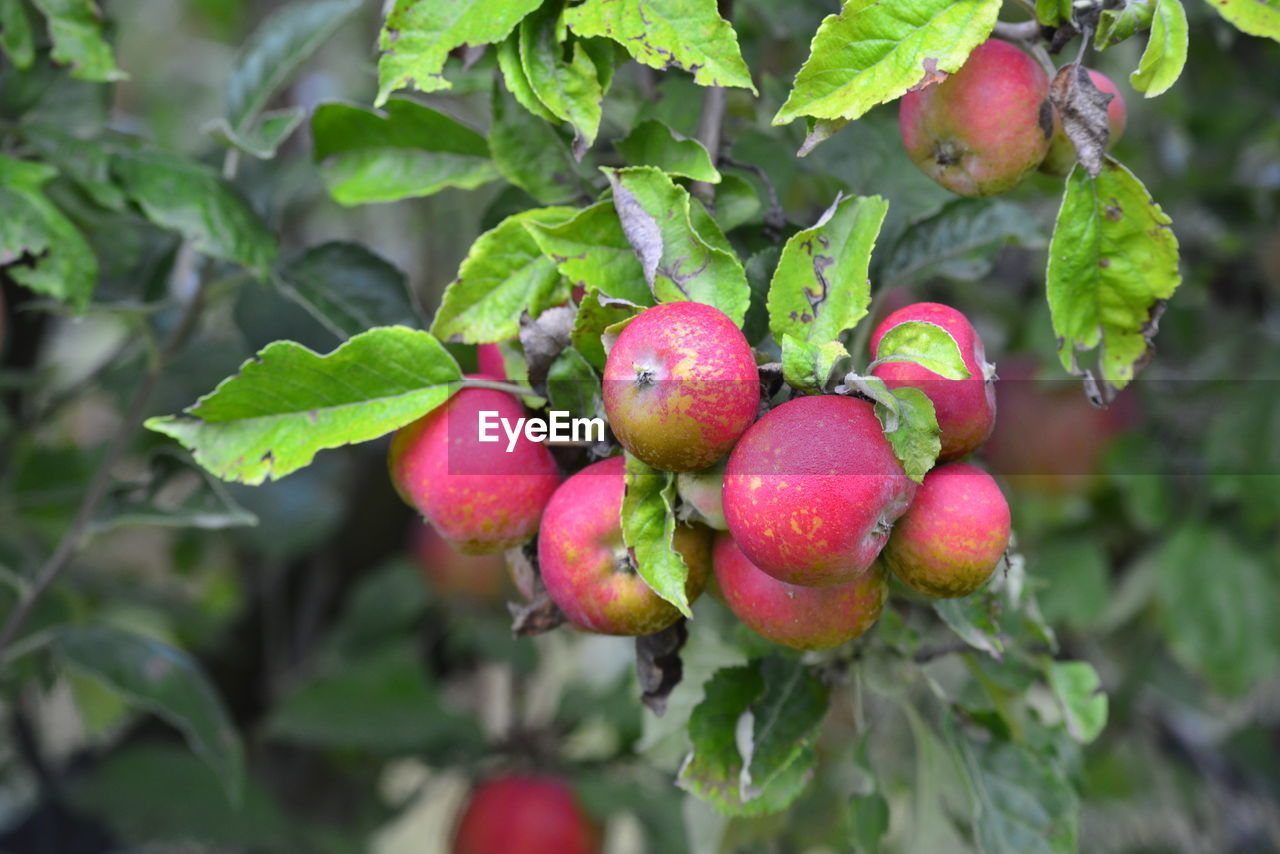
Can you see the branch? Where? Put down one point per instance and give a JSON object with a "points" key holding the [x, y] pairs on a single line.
{"points": [[926, 654], [709, 125], [1024, 32]]}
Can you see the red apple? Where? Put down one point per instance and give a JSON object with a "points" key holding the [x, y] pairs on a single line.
{"points": [[489, 361], [680, 386], [966, 409], [813, 489], [795, 616], [479, 577], [524, 814], [984, 128], [952, 538], [1062, 154], [480, 497], [586, 567]]}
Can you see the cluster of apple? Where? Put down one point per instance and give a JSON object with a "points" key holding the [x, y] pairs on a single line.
{"points": [[991, 124], [798, 514]]}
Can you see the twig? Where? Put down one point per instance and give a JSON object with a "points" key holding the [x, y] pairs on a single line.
{"points": [[926, 654], [709, 124], [521, 391], [1025, 32]]}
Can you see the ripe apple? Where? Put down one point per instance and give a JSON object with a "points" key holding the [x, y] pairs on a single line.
{"points": [[586, 567], [479, 497], [952, 538], [1062, 154], [482, 578], [984, 128], [1050, 439], [524, 814], [966, 409], [702, 491], [680, 386], [489, 361], [813, 489], [795, 616]]}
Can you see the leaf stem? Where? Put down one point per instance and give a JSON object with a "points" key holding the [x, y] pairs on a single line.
{"points": [[519, 390]]}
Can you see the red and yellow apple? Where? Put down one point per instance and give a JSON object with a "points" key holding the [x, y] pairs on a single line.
{"points": [[680, 386], [813, 489], [588, 570], [799, 617]]}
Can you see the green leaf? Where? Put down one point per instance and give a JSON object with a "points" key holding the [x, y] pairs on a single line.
{"points": [[820, 287], [60, 263], [277, 48], [807, 366], [84, 161], [1255, 17], [974, 622], [380, 702], [596, 313], [682, 252], [532, 155], [347, 288], [962, 229], [573, 387], [874, 52], [418, 34], [193, 200], [912, 430], [591, 251], [168, 499], [1113, 261], [503, 275], [1051, 13], [648, 529], [927, 344], [75, 26], [737, 202], [412, 151], [687, 34], [713, 770], [288, 403], [1221, 625], [1079, 691], [16, 38], [262, 142], [517, 81], [1021, 803], [1117, 25], [570, 90], [651, 143], [163, 680], [1166, 53], [785, 719]]}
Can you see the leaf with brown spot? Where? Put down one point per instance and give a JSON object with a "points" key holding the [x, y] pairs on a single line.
{"points": [[543, 339], [932, 74], [1082, 108]]}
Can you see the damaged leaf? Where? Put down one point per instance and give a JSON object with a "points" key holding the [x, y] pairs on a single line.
{"points": [[658, 664], [1082, 107]]}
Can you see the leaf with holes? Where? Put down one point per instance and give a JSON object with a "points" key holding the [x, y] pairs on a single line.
{"points": [[1113, 261], [820, 287], [687, 34], [873, 52], [418, 34], [288, 403]]}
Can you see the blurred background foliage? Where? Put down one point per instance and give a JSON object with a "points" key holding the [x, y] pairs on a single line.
{"points": [[368, 695]]}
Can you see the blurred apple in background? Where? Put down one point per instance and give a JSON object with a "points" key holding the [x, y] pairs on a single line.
{"points": [[478, 577]]}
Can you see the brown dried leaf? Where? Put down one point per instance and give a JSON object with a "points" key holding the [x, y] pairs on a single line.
{"points": [[658, 664], [543, 339], [1082, 108]]}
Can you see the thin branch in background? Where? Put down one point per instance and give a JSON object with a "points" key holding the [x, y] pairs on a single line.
{"points": [[710, 124]]}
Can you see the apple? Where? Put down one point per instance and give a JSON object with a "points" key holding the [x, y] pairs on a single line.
{"points": [[482, 578], [813, 489], [524, 814], [799, 617], [680, 386], [587, 569], [480, 498], [1050, 439], [489, 361], [701, 492], [1062, 154], [984, 128], [966, 409], [952, 538]]}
